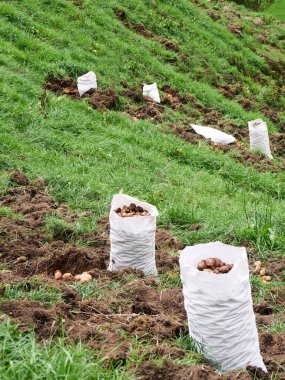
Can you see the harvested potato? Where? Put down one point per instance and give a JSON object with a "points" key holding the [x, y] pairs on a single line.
{"points": [[57, 275], [262, 272], [67, 277], [214, 265], [21, 259], [86, 277], [267, 278], [131, 210], [78, 277]]}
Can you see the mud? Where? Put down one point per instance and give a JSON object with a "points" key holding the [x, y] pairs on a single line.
{"points": [[103, 100], [143, 31]]}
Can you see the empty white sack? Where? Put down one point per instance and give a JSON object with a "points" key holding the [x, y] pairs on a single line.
{"points": [[219, 307], [213, 134], [151, 91], [86, 82], [132, 239], [258, 137]]}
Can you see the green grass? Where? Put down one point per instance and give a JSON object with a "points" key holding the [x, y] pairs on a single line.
{"points": [[23, 359], [86, 156], [32, 290], [277, 9]]}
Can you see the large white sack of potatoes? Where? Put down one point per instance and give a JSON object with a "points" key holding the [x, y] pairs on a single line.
{"points": [[132, 239], [258, 137], [151, 91], [213, 134], [219, 307], [86, 82]]}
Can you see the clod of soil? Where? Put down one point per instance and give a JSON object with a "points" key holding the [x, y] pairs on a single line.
{"points": [[214, 265], [19, 178], [235, 28], [131, 210]]}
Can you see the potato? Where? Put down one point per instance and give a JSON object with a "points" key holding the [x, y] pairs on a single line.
{"points": [[67, 277], [21, 259], [208, 270], [201, 265], [267, 278], [86, 277], [258, 263], [78, 277], [217, 262], [209, 262], [57, 275], [224, 269], [262, 272]]}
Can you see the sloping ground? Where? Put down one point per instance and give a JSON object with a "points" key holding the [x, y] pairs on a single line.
{"points": [[215, 64], [277, 9]]}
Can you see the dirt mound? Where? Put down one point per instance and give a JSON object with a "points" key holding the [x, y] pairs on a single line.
{"points": [[71, 259], [19, 178], [174, 99], [273, 347], [170, 370], [106, 99], [150, 111]]}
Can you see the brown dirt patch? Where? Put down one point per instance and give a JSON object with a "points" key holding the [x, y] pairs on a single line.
{"points": [[235, 29], [170, 370], [103, 100], [273, 348], [230, 90], [174, 99], [150, 111]]}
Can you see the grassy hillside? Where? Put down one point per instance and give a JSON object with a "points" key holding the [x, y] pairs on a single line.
{"points": [[277, 9], [224, 60]]}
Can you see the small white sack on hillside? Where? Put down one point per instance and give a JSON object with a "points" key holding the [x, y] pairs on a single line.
{"points": [[132, 239], [86, 82], [219, 307], [213, 134], [151, 91], [258, 136]]}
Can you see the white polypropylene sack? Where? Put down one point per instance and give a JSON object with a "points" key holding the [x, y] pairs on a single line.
{"points": [[258, 136], [132, 238], [151, 91], [214, 134], [86, 82], [219, 307]]}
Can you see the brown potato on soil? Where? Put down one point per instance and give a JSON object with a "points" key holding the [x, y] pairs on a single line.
{"points": [[78, 277], [262, 272], [57, 275], [21, 259], [67, 277], [86, 277]]}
